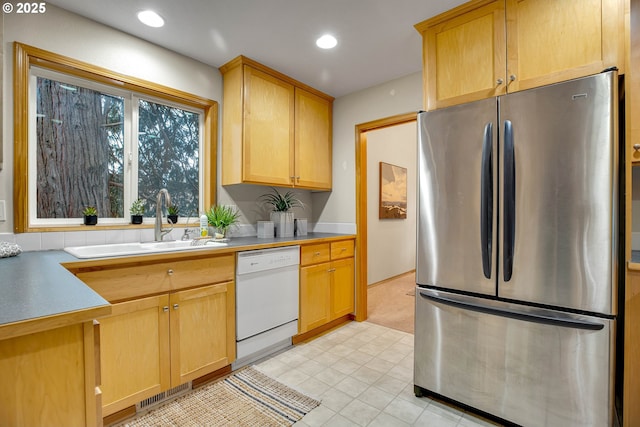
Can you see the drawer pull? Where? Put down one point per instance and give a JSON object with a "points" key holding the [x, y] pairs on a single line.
{"points": [[165, 308], [331, 270], [170, 272], [175, 306], [343, 249], [316, 254]]}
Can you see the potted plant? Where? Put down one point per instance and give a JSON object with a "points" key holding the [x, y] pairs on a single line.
{"points": [[90, 214], [221, 218], [137, 210], [172, 213], [280, 215]]}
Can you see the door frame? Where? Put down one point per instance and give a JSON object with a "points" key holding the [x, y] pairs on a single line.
{"points": [[361, 203]]}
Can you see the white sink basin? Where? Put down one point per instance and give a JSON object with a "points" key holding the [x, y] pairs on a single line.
{"points": [[118, 249]]}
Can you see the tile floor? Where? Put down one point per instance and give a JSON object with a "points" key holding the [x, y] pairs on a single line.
{"points": [[363, 374]]}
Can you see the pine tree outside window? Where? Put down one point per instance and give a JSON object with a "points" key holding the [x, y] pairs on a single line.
{"points": [[96, 145]]}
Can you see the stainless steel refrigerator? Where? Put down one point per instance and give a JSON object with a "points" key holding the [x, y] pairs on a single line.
{"points": [[516, 264]]}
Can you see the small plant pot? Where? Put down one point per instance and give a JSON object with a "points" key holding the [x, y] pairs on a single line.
{"points": [[173, 219], [136, 219], [90, 219]]}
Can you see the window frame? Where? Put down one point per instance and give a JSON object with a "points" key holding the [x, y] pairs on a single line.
{"points": [[26, 56]]}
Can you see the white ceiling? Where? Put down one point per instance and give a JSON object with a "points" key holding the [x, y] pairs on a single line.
{"points": [[376, 38]]}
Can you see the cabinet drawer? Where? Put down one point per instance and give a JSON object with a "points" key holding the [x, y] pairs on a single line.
{"points": [[343, 249], [122, 283], [202, 271], [119, 283], [312, 254]]}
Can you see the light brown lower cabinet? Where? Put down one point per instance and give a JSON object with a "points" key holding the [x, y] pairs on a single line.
{"points": [[49, 378], [172, 321], [152, 344], [327, 283]]}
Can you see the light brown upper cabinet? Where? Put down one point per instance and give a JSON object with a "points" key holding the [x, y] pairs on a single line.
{"points": [[485, 48], [275, 130]]}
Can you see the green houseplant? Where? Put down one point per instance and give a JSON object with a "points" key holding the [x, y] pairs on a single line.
{"points": [[172, 213], [280, 215], [90, 215], [221, 218], [281, 202], [137, 210]]}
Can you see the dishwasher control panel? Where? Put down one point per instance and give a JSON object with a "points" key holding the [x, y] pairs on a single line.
{"points": [[267, 259]]}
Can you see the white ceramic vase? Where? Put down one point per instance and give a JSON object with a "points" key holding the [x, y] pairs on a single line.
{"points": [[283, 223]]}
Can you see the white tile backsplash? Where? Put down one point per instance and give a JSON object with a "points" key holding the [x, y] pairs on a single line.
{"points": [[57, 240], [98, 237], [75, 238], [29, 241], [53, 240]]}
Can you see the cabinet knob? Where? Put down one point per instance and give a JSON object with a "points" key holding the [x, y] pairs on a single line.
{"points": [[170, 272], [165, 308], [175, 306], [331, 270], [636, 147], [499, 82], [512, 77], [316, 254]]}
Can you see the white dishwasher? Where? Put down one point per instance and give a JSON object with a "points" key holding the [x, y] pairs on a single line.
{"points": [[266, 301]]}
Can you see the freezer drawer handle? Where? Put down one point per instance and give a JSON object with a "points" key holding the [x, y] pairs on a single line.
{"points": [[509, 201], [514, 314], [486, 200]]}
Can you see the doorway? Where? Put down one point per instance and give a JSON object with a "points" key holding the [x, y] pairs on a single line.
{"points": [[362, 199]]}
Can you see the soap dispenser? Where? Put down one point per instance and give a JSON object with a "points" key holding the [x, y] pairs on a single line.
{"points": [[204, 226]]}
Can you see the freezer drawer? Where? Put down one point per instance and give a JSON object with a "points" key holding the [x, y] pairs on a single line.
{"points": [[530, 366]]}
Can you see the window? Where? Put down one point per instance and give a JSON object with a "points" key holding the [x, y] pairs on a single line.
{"points": [[97, 138]]}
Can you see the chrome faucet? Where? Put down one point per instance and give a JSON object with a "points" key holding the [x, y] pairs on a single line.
{"points": [[159, 232]]}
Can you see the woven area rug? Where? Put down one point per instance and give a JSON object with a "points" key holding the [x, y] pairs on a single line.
{"points": [[246, 398]]}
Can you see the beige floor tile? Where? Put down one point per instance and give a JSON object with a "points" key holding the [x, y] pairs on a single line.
{"points": [[403, 410], [335, 399], [376, 397], [359, 412], [363, 375], [352, 386], [386, 420]]}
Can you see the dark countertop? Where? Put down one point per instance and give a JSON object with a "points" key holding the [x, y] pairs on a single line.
{"points": [[35, 286], [38, 293]]}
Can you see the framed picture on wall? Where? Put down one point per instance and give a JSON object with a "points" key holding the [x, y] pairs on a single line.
{"points": [[393, 192]]}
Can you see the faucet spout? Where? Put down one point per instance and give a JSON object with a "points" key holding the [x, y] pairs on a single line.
{"points": [[159, 232]]}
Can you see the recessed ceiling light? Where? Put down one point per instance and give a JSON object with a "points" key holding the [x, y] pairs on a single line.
{"points": [[150, 18], [326, 42]]}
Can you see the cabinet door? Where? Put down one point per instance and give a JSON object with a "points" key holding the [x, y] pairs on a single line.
{"points": [[268, 129], [464, 56], [312, 141], [134, 352], [552, 41], [202, 331], [342, 287], [43, 379], [314, 296]]}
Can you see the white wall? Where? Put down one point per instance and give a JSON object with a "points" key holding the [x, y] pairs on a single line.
{"points": [[395, 97], [68, 34], [79, 38], [391, 243]]}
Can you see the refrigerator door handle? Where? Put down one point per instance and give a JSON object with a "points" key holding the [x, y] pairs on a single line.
{"points": [[567, 322], [486, 200], [509, 201]]}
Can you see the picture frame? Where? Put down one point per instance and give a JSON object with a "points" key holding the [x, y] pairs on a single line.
{"points": [[393, 192]]}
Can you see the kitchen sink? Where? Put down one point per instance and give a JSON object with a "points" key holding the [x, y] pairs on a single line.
{"points": [[119, 249]]}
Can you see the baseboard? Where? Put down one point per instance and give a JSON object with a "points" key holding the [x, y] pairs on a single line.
{"points": [[321, 329], [397, 276]]}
